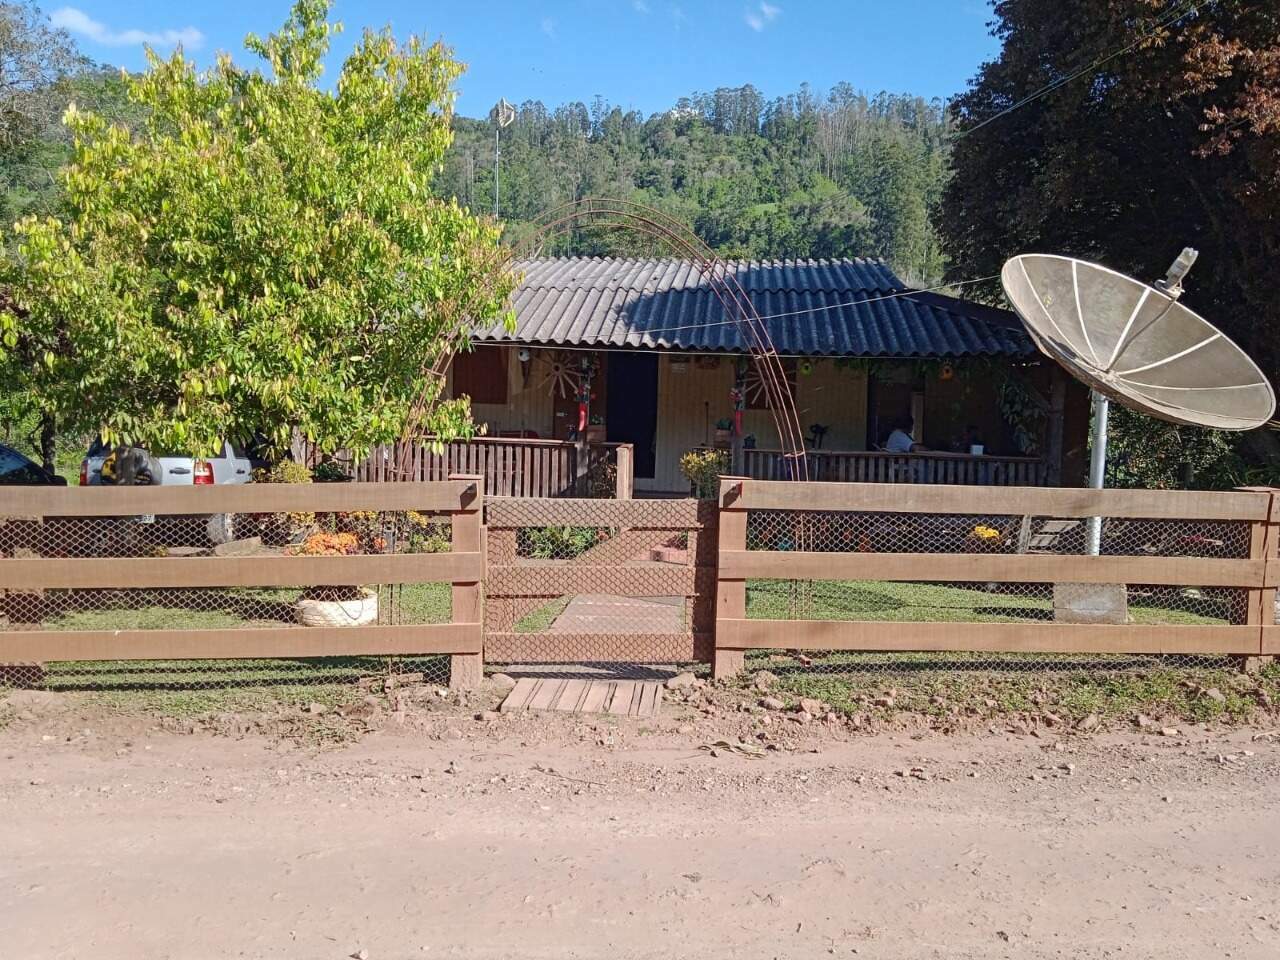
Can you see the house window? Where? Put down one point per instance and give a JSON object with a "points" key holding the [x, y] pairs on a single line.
{"points": [[481, 374], [757, 388]]}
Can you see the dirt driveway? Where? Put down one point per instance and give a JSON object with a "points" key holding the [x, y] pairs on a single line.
{"points": [[523, 839]]}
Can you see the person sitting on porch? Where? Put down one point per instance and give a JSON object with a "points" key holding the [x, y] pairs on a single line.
{"points": [[901, 440]]}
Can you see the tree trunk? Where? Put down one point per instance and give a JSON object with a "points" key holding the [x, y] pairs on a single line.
{"points": [[48, 436]]}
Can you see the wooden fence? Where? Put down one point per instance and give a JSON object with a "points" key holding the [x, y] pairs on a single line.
{"points": [[1254, 575], [32, 514], [1221, 547], [842, 466], [510, 467]]}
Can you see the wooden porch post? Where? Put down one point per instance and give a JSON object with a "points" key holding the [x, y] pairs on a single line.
{"points": [[466, 670], [625, 481], [1057, 426]]}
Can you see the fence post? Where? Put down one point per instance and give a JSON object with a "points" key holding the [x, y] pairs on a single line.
{"points": [[1261, 602], [466, 670], [626, 472], [731, 595]]}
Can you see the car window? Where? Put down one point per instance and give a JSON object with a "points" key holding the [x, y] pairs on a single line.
{"points": [[15, 468]]}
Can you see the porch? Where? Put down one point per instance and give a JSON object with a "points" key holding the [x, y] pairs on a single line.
{"points": [[845, 466]]}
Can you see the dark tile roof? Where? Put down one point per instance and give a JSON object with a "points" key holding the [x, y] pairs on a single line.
{"points": [[652, 303]]}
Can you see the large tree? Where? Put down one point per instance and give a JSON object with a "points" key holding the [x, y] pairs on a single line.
{"points": [[263, 254], [1170, 142]]}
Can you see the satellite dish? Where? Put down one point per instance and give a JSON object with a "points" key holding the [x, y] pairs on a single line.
{"points": [[1136, 343]]}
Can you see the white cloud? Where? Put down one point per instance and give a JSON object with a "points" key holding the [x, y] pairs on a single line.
{"points": [[761, 16], [549, 27], [79, 22], [641, 6]]}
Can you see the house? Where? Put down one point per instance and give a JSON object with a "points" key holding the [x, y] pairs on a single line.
{"points": [[861, 350]]}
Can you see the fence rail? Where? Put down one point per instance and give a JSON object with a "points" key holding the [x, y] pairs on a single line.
{"points": [[71, 553], [1178, 547], [841, 466]]}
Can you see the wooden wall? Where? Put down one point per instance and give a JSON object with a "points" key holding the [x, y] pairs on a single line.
{"points": [[836, 397], [527, 407]]}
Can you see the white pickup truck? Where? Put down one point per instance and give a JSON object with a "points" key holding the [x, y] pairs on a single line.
{"points": [[233, 466]]}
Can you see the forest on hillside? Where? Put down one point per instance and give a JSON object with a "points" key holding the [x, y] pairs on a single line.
{"points": [[836, 174]]}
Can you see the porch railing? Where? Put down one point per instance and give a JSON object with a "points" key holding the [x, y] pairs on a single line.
{"points": [[510, 467], [846, 466]]}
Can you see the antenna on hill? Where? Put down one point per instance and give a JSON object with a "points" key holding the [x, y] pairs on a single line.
{"points": [[503, 114], [1137, 345]]}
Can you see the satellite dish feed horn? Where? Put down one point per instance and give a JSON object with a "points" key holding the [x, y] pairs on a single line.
{"points": [[1136, 344]]}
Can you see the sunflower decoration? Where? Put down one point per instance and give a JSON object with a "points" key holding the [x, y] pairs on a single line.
{"points": [[561, 375]]}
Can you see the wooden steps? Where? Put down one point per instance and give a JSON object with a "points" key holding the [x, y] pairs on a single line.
{"points": [[627, 698]]}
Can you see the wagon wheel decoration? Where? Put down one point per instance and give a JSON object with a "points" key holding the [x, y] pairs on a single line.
{"points": [[756, 390], [561, 375]]}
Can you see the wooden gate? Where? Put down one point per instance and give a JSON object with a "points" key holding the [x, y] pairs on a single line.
{"points": [[600, 581]]}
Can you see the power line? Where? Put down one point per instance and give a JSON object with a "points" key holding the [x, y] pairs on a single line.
{"points": [[1062, 81]]}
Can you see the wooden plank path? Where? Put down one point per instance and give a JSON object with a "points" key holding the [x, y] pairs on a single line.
{"points": [[629, 698]]}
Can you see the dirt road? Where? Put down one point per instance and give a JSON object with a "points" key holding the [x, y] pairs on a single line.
{"points": [[140, 844]]}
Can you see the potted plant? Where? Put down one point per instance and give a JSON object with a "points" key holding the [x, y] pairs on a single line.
{"points": [[724, 432], [334, 606], [702, 468], [596, 432]]}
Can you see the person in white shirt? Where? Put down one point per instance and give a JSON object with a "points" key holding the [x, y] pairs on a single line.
{"points": [[900, 440]]}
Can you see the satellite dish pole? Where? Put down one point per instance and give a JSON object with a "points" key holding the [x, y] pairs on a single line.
{"points": [[1171, 287], [503, 114]]}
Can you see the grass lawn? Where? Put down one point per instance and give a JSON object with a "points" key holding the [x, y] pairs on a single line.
{"points": [[1070, 685], [240, 607], [305, 680], [900, 602], [541, 619]]}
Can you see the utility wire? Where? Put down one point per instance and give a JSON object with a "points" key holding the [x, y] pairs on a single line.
{"points": [[1177, 14], [647, 331]]}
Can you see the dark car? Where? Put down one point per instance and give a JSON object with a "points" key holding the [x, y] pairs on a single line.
{"points": [[17, 470]]}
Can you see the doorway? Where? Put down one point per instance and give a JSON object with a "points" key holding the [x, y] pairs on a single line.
{"points": [[632, 406], [893, 393]]}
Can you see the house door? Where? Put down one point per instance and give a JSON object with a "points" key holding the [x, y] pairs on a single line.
{"points": [[632, 405], [892, 395]]}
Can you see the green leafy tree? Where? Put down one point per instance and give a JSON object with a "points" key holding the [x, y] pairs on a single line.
{"points": [[262, 254], [1174, 143], [804, 175]]}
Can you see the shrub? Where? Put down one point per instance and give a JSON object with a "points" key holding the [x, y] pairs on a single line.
{"points": [[327, 545], [558, 543], [702, 468]]}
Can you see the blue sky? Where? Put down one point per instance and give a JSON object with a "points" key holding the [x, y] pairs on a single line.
{"points": [[641, 54]]}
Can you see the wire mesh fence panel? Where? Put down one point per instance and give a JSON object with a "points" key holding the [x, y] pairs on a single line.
{"points": [[627, 585], [950, 589], [205, 601]]}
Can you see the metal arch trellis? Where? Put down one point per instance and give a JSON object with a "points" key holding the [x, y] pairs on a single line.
{"points": [[684, 242]]}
